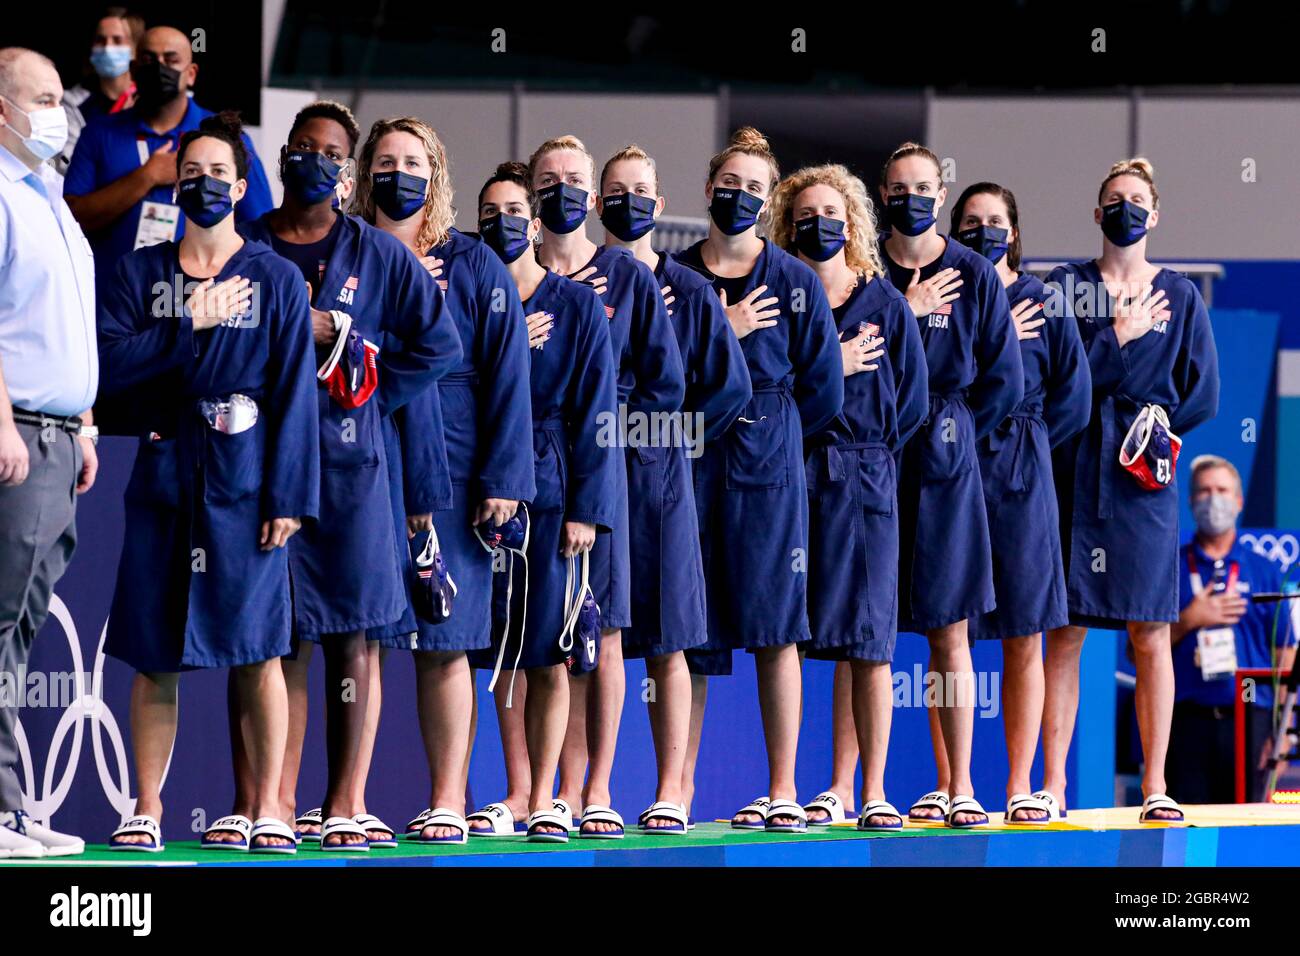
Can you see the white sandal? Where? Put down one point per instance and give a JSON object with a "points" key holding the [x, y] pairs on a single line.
{"points": [[935, 799], [786, 808], [562, 807], [271, 827], [879, 808], [1161, 801], [312, 818], [338, 826], [966, 804], [499, 818], [548, 818], [139, 824], [1055, 811], [759, 806], [1025, 801], [368, 822], [598, 814], [663, 810], [442, 817], [834, 807], [235, 823]]}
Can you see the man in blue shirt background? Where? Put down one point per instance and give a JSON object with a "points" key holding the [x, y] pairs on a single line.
{"points": [[120, 184], [1219, 631]]}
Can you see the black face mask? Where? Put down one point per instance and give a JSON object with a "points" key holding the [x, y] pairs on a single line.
{"points": [[156, 84]]}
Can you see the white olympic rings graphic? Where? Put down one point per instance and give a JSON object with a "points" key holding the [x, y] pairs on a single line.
{"points": [[1282, 547]]}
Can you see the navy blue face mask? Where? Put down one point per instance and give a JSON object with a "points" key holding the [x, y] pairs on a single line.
{"points": [[205, 200], [400, 195], [1123, 223], [628, 216], [505, 235], [988, 241], [734, 210], [910, 214], [310, 177], [819, 237], [562, 208]]}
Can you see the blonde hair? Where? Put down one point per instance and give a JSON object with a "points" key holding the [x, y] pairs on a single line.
{"points": [[439, 213], [905, 150], [629, 152], [861, 252], [1138, 166], [747, 141], [559, 143]]}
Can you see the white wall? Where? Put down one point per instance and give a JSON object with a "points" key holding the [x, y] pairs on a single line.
{"points": [[1053, 153]]}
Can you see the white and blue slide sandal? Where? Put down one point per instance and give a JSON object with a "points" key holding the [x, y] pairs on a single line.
{"points": [[663, 810], [598, 814], [312, 818], [562, 807], [339, 826], [271, 827], [759, 806], [879, 808], [442, 817], [236, 823], [1054, 809], [1161, 801], [1024, 801], [966, 804], [832, 805], [368, 822], [501, 822], [140, 824], [786, 808], [548, 818], [934, 800]]}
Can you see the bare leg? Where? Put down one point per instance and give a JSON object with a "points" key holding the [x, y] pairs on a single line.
{"points": [[573, 755], [950, 653], [153, 731], [604, 713], [1154, 698], [545, 718], [1060, 704], [261, 689], [369, 731], [1022, 711], [943, 775], [514, 746], [296, 672], [669, 708], [699, 701], [844, 741], [872, 698], [780, 700], [347, 688], [445, 691]]}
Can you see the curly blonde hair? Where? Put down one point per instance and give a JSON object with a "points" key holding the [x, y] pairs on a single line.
{"points": [[1138, 166], [439, 212], [861, 252]]}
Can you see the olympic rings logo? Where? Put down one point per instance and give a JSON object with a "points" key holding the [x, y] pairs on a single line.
{"points": [[1282, 547], [87, 706]]}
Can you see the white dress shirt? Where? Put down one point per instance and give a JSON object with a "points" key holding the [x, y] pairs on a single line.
{"points": [[48, 351]]}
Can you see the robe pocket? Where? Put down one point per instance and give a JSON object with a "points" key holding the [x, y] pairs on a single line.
{"points": [[349, 438], [757, 456], [948, 444], [876, 481], [550, 467], [234, 465], [155, 477]]}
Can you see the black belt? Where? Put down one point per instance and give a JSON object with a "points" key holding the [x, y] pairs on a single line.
{"points": [[68, 423]]}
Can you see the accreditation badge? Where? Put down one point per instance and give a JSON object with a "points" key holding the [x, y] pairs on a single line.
{"points": [[157, 223], [1216, 652]]}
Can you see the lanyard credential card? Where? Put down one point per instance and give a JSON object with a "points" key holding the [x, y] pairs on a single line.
{"points": [[1216, 647]]}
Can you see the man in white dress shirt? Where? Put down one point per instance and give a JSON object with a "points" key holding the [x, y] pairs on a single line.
{"points": [[49, 371]]}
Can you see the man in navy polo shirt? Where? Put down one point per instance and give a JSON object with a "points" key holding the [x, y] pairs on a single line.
{"points": [[120, 184], [1219, 631]]}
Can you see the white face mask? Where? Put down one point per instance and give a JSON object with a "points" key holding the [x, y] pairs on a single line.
{"points": [[49, 130]]}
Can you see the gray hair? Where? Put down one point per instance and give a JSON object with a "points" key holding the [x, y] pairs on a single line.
{"points": [[1204, 462], [10, 58]]}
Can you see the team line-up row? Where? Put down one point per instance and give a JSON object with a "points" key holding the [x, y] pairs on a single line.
{"points": [[878, 406]]}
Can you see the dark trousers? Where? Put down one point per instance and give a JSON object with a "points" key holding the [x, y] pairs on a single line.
{"points": [[37, 536], [1201, 767]]}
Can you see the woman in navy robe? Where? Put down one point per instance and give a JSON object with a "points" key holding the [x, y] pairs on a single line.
{"points": [[1149, 342], [755, 537], [573, 383], [651, 387], [823, 215], [1019, 494], [347, 573], [945, 574], [219, 330], [482, 411]]}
